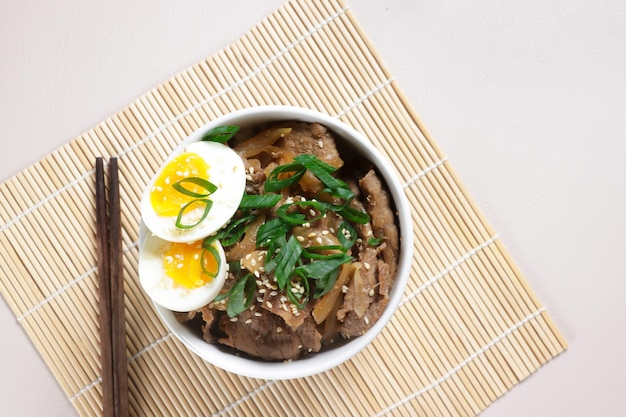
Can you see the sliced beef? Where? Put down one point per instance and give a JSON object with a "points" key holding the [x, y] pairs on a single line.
{"points": [[263, 334], [312, 139], [379, 208]]}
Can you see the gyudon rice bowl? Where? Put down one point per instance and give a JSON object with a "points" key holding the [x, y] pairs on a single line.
{"points": [[315, 250]]}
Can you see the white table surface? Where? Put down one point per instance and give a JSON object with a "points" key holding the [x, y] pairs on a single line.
{"points": [[526, 98]]}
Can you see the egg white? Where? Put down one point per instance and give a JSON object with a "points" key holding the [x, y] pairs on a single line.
{"points": [[163, 290], [226, 171]]}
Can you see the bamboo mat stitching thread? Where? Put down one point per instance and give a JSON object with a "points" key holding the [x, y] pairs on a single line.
{"points": [[67, 286], [185, 113], [452, 266], [461, 365], [244, 398], [131, 359], [365, 97]]}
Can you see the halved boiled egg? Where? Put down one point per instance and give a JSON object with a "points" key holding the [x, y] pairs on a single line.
{"points": [[195, 193], [181, 276]]}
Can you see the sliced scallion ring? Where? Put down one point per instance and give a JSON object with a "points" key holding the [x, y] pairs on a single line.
{"points": [[210, 251], [209, 187], [207, 207]]}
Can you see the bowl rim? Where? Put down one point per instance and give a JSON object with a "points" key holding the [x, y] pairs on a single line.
{"points": [[317, 362]]}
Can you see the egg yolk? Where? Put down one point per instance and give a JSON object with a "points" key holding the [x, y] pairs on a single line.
{"points": [[165, 199], [183, 262]]}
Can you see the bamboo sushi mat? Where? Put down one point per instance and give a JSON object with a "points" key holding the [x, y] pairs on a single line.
{"points": [[468, 329]]}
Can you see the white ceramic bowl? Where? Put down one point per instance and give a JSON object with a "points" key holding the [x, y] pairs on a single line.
{"points": [[322, 361]]}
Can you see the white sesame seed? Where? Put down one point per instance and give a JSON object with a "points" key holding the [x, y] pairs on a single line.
{"points": [[262, 291], [279, 329], [179, 266], [312, 234], [366, 265], [269, 304], [312, 212], [325, 232], [344, 289], [300, 238], [249, 177], [274, 293], [257, 314], [320, 143], [251, 170], [319, 240], [253, 262], [371, 292], [257, 274], [234, 319], [248, 321]]}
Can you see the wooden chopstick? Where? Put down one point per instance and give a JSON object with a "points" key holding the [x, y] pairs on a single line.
{"points": [[114, 360]]}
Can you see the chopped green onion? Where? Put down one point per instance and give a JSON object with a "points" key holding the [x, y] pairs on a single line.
{"points": [[220, 134], [299, 218], [269, 231], [207, 185], [273, 249], [352, 214], [235, 229], [311, 251], [240, 295], [373, 241], [346, 235], [320, 268], [286, 261], [207, 206], [326, 283], [324, 271], [299, 299], [273, 183], [259, 201], [323, 172], [211, 250]]}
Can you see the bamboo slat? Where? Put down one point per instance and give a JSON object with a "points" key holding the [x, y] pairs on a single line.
{"points": [[469, 326]]}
